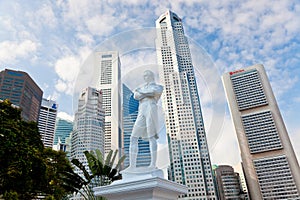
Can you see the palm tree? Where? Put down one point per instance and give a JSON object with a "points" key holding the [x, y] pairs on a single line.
{"points": [[102, 172]]}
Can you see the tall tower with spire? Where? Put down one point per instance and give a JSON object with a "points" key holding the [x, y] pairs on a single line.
{"points": [[189, 156]]}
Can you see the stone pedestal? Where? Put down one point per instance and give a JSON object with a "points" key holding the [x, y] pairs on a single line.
{"points": [[141, 184]]}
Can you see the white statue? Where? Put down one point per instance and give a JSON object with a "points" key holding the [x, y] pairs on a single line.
{"points": [[145, 126]]}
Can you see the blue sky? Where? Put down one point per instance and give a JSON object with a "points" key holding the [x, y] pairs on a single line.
{"points": [[50, 40]]}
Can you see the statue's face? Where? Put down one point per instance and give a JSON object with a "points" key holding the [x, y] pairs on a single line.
{"points": [[148, 77]]}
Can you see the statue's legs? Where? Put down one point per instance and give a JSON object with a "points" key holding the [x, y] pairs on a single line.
{"points": [[133, 151], [153, 151]]}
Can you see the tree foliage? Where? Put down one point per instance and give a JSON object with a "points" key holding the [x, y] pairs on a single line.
{"points": [[57, 166], [27, 168], [21, 160]]}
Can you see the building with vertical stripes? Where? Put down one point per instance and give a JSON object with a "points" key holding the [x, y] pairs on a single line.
{"points": [[189, 155], [107, 79]]}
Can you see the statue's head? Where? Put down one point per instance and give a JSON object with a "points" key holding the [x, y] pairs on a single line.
{"points": [[148, 76]]}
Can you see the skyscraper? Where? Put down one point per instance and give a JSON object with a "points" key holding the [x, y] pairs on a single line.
{"points": [[228, 183], [107, 79], [63, 130], [46, 122], [268, 159], [88, 133], [130, 112], [189, 155], [22, 91]]}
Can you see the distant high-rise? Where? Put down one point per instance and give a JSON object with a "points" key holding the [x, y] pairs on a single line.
{"points": [[268, 159], [63, 130], [228, 183], [244, 184], [107, 79], [189, 155], [88, 133], [130, 112], [46, 122], [22, 91]]}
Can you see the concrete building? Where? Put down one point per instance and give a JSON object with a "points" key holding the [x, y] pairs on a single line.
{"points": [[88, 132], [244, 184], [22, 91], [107, 79], [130, 112], [268, 159], [228, 183], [46, 122], [189, 155]]}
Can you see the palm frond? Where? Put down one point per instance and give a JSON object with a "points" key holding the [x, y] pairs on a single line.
{"points": [[99, 155], [78, 164], [121, 160], [113, 160], [92, 162], [108, 158]]}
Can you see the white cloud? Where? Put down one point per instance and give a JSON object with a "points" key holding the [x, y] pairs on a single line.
{"points": [[98, 17], [67, 68], [44, 16], [65, 116], [12, 50], [281, 79], [75, 10], [6, 22], [101, 24], [61, 86], [87, 39], [226, 150]]}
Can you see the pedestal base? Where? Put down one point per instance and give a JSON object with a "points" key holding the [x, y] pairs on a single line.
{"points": [[139, 173], [141, 186]]}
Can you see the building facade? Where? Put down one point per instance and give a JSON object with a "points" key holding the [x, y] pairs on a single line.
{"points": [[189, 155], [88, 130], [107, 79], [130, 112], [22, 91], [63, 130], [269, 163], [228, 183], [244, 184], [46, 122]]}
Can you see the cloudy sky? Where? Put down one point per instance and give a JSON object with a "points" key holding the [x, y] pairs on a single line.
{"points": [[51, 40]]}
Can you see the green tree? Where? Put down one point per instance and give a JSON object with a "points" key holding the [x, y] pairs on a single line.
{"points": [[22, 168], [57, 165], [102, 172], [27, 169]]}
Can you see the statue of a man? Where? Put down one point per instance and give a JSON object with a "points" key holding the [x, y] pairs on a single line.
{"points": [[145, 126]]}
